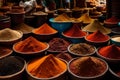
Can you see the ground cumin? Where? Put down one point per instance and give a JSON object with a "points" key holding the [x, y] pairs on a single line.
{"points": [[96, 25], [87, 66], [97, 37], [46, 67], [30, 45], [111, 51], [44, 29], [75, 31]]}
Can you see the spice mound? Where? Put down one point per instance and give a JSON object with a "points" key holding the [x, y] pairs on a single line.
{"points": [[24, 28], [111, 51], [63, 17], [75, 31], [10, 65], [116, 38], [8, 34], [112, 20], [97, 37], [44, 29], [85, 18], [4, 51], [58, 44], [46, 67], [30, 45], [87, 66], [65, 56], [96, 25], [82, 48]]}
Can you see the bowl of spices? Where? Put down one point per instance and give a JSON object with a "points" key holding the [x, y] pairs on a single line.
{"points": [[110, 53], [81, 49], [9, 36], [44, 32], [116, 31], [12, 68], [4, 52], [48, 67], [115, 40], [97, 39], [30, 47], [57, 45], [74, 34], [83, 68]]}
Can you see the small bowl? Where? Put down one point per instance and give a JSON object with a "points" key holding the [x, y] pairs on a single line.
{"points": [[115, 41], [98, 43], [76, 77], [116, 31], [18, 75], [74, 39], [61, 76], [60, 26], [80, 55]]}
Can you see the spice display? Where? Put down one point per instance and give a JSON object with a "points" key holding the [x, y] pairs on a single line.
{"points": [[85, 18], [24, 28], [4, 51], [88, 66], [118, 73], [8, 34], [58, 44], [30, 45], [96, 25], [82, 48], [65, 56], [75, 31], [117, 38], [10, 65], [39, 13], [44, 29], [111, 51], [63, 17], [97, 37], [112, 20], [17, 9], [46, 67], [116, 30]]}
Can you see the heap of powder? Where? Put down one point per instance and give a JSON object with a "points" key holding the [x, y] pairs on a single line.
{"points": [[24, 28], [116, 38], [46, 67], [85, 18], [111, 51], [63, 17], [8, 34], [44, 29], [97, 37], [4, 51], [58, 44], [112, 20], [30, 45], [95, 25], [10, 65], [82, 48], [75, 31], [88, 66]]}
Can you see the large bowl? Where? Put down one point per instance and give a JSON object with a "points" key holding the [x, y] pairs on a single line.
{"points": [[60, 26], [116, 42]]}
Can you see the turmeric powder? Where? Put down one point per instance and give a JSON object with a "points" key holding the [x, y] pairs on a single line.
{"points": [[46, 67], [30, 45], [44, 29]]}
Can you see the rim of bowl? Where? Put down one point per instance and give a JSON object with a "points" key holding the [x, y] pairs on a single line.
{"points": [[24, 65], [52, 20], [74, 37], [81, 54], [97, 41], [44, 34], [112, 72], [11, 51], [30, 53], [88, 77], [106, 58], [50, 77], [21, 35], [56, 51]]}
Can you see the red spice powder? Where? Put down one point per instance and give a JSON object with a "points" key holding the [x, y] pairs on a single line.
{"points": [[97, 36], [112, 20], [75, 31], [118, 73], [111, 51]]}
